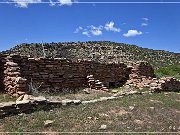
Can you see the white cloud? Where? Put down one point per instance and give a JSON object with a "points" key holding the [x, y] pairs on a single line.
{"points": [[86, 33], [90, 30], [132, 33], [52, 3], [144, 24], [78, 29], [145, 19], [65, 2], [110, 27], [24, 3], [96, 31]]}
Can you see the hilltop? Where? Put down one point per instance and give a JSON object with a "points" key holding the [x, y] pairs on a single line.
{"points": [[102, 51]]}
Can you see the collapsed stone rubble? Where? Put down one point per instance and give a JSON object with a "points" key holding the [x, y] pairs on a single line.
{"points": [[142, 76]]}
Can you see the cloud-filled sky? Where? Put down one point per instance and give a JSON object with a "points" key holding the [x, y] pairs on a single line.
{"points": [[149, 25]]}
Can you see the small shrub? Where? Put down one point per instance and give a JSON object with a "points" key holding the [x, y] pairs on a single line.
{"points": [[34, 88]]}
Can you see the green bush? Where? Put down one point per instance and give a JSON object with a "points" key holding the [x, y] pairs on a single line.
{"points": [[173, 70]]}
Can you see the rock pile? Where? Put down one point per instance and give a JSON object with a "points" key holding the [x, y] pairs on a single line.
{"points": [[142, 76], [154, 84], [167, 84]]}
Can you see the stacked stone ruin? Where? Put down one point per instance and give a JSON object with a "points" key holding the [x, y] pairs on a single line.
{"points": [[22, 74], [140, 71], [14, 84], [58, 74]]}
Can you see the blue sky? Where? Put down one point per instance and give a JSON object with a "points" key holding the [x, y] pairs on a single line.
{"points": [[154, 26]]}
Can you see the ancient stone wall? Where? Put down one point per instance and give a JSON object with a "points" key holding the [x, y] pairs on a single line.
{"points": [[141, 69], [59, 74], [12, 78], [19, 74]]}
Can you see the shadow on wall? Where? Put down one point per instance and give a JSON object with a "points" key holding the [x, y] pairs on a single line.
{"points": [[120, 83], [1, 75]]}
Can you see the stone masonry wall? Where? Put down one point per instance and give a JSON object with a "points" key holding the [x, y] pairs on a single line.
{"points": [[12, 79], [59, 74], [19, 74], [141, 69]]}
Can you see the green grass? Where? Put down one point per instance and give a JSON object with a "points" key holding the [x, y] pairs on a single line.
{"points": [[6, 98], [173, 70], [119, 89], [79, 95], [119, 117]]}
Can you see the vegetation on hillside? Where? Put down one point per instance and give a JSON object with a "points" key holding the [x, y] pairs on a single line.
{"points": [[102, 51], [173, 70]]}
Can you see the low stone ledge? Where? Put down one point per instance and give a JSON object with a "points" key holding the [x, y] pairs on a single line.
{"points": [[90, 101], [33, 103], [67, 102], [54, 102], [76, 102]]}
